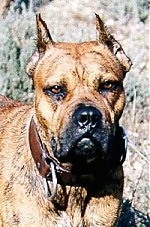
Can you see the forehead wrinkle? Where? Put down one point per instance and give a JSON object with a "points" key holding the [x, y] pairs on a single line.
{"points": [[79, 69]]}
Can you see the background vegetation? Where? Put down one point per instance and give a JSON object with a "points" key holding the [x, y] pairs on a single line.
{"points": [[74, 21]]}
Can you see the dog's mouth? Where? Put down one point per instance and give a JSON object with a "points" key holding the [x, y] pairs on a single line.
{"points": [[86, 150], [83, 151]]}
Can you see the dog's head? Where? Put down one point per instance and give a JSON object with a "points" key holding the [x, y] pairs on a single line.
{"points": [[79, 97]]}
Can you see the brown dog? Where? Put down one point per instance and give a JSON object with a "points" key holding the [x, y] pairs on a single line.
{"points": [[61, 158]]}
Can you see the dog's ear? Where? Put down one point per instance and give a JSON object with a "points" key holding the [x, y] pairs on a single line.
{"points": [[44, 40], [104, 37]]}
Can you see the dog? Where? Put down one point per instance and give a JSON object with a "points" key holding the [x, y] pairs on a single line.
{"points": [[61, 156]]}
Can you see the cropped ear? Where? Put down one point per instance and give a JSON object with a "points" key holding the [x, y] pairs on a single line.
{"points": [[44, 40], [102, 33], [104, 37]]}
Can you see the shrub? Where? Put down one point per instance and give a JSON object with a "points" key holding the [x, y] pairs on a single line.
{"points": [[17, 33]]}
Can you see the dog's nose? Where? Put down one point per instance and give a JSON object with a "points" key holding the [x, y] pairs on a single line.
{"points": [[87, 116]]}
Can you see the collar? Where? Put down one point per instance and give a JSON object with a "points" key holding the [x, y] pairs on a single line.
{"points": [[46, 164]]}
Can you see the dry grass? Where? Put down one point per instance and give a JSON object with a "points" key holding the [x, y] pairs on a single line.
{"points": [[74, 21]]}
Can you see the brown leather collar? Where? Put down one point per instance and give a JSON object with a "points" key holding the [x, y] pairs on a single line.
{"points": [[46, 164]]}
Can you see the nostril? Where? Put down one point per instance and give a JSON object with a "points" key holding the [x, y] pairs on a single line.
{"points": [[83, 119], [94, 118]]}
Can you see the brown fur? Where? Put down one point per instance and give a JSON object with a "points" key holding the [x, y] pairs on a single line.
{"points": [[81, 67]]}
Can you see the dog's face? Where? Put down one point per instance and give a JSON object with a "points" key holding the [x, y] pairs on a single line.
{"points": [[79, 96]]}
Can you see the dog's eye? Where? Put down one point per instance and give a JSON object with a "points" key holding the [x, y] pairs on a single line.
{"points": [[56, 89], [57, 92], [108, 86]]}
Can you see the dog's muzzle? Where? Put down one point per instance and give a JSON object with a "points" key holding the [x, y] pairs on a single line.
{"points": [[86, 121], [86, 141]]}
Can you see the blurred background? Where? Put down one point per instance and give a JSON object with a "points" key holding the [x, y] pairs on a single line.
{"points": [[74, 21]]}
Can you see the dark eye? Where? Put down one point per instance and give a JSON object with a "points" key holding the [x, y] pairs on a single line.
{"points": [[56, 89], [109, 86], [57, 92]]}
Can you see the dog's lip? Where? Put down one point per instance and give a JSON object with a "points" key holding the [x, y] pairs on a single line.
{"points": [[86, 143], [85, 139]]}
